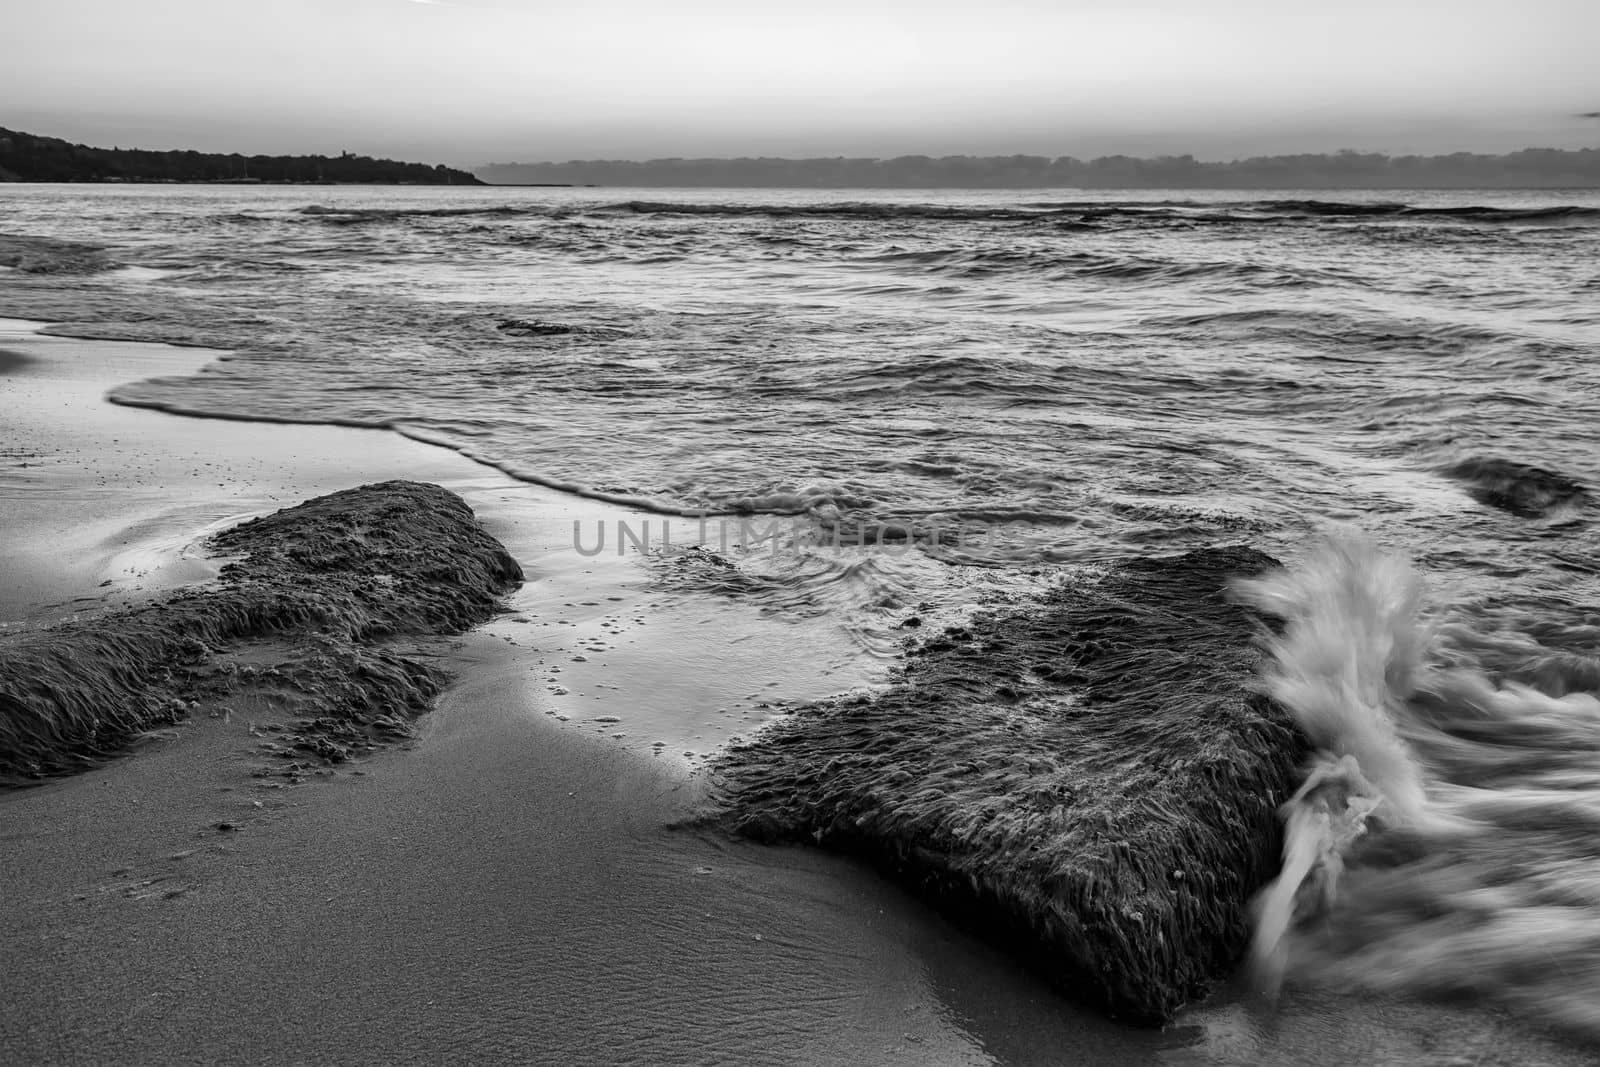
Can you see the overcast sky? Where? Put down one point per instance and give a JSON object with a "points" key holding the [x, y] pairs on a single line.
{"points": [[469, 81]]}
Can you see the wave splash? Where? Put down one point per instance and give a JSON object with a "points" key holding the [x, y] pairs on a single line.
{"points": [[1445, 840]]}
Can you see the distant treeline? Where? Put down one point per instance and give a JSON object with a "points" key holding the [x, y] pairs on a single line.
{"points": [[1546, 168], [25, 157]]}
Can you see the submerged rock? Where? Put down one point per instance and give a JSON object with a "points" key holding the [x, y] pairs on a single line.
{"points": [[544, 328], [328, 588], [1093, 777], [45, 255], [1524, 491]]}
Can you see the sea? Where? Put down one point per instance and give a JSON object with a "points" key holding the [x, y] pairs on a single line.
{"points": [[923, 402]]}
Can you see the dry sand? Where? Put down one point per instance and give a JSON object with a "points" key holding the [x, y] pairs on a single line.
{"points": [[510, 887]]}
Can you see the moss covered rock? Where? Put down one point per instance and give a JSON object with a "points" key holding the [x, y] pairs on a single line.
{"points": [[341, 576], [1093, 776]]}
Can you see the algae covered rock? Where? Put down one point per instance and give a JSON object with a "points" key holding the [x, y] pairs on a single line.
{"points": [[1518, 489], [329, 584], [1093, 777]]}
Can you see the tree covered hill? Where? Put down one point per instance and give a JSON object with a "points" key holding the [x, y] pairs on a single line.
{"points": [[25, 157]]}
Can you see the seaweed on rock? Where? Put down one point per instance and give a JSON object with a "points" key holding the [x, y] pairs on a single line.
{"points": [[336, 575], [1094, 775]]}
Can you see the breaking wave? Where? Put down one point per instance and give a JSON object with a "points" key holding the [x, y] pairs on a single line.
{"points": [[1443, 839]]}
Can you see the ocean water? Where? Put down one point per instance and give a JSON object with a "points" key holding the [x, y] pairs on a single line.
{"points": [[936, 399]]}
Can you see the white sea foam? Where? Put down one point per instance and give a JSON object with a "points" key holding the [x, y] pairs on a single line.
{"points": [[1444, 839]]}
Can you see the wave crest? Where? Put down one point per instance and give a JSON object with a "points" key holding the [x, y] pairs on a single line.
{"points": [[1442, 840]]}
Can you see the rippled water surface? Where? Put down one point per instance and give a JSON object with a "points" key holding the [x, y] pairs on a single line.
{"points": [[1079, 377], [1120, 373]]}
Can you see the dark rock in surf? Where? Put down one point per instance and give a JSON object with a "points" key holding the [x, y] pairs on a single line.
{"points": [[541, 328], [331, 589], [1092, 778], [44, 255], [1524, 491], [1557, 674]]}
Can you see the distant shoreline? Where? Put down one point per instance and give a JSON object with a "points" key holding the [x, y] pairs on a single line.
{"points": [[1530, 168], [834, 188]]}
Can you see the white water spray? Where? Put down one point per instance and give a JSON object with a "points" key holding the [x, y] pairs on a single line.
{"points": [[1446, 837]]}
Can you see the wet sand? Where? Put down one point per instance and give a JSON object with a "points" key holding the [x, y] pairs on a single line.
{"points": [[510, 886]]}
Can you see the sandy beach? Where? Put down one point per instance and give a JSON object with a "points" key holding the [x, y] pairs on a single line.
{"points": [[513, 885]]}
